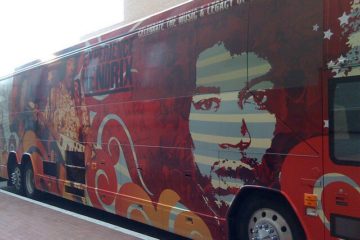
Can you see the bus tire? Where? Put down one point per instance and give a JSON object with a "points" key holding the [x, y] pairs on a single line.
{"points": [[29, 182], [268, 218], [17, 179]]}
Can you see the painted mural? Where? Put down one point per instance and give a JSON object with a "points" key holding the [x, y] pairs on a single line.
{"points": [[5, 140], [166, 124]]}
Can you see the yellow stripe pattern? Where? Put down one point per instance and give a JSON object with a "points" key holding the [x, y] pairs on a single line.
{"points": [[234, 118]]}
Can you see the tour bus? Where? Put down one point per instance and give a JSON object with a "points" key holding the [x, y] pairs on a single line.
{"points": [[228, 119]]}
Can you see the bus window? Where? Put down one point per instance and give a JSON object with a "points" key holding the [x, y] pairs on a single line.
{"points": [[344, 99]]}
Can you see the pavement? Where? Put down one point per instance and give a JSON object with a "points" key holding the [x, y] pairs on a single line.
{"points": [[25, 219]]}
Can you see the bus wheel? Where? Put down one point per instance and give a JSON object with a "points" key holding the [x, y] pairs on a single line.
{"points": [[16, 179], [29, 182], [263, 218]]}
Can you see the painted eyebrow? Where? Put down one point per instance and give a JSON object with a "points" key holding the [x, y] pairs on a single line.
{"points": [[226, 96], [197, 98]]}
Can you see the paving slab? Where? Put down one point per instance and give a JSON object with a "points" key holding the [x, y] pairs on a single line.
{"points": [[25, 219]]}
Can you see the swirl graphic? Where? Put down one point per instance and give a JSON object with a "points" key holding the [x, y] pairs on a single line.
{"points": [[167, 212], [132, 156], [107, 205], [328, 179]]}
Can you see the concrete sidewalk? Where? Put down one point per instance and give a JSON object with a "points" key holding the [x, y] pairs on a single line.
{"points": [[25, 219]]}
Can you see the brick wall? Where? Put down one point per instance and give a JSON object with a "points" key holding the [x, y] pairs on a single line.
{"points": [[137, 9]]}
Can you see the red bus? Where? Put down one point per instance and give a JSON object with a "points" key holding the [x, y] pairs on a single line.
{"points": [[231, 119]]}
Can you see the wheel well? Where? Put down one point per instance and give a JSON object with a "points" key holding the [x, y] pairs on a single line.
{"points": [[12, 161], [253, 193]]}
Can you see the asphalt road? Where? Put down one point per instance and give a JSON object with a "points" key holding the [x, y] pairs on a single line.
{"points": [[101, 215]]}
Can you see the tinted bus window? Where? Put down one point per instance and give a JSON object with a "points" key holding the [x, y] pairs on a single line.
{"points": [[345, 120]]}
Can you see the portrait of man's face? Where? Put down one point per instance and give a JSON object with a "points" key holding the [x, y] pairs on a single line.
{"points": [[226, 128]]}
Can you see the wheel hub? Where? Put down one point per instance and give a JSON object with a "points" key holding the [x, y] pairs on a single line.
{"points": [[16, 178], [267, 224], [264, 231]]}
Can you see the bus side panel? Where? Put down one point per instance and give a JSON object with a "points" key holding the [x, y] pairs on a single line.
{"points": [[197, 100]]}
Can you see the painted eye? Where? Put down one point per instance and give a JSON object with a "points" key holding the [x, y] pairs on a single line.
{"points": [[207, 104], [260, 99]]}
